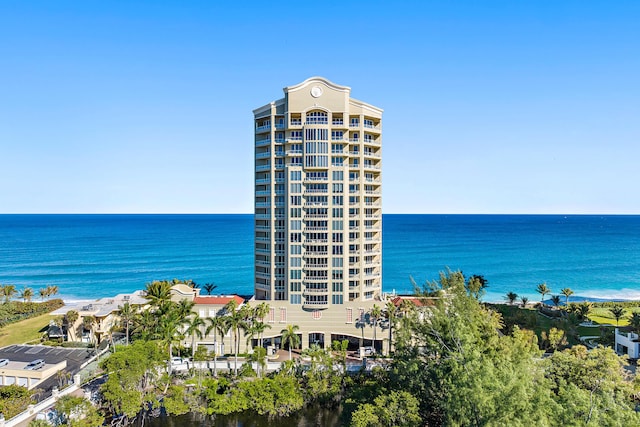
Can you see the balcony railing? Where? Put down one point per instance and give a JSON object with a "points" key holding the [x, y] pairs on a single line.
{"points": [[261, 142], [263, 167], [263, 128]]}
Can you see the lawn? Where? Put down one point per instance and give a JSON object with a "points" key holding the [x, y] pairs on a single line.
{"points": [[603, 316], [25, 330]]}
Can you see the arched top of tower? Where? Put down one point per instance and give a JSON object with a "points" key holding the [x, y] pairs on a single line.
{"points": [[315, 81]]}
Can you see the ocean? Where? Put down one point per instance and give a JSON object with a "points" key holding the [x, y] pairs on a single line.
{"points": [[93, 256]]}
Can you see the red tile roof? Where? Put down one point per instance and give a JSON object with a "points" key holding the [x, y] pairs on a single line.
{"points": [[417, 301], [217, 300]]}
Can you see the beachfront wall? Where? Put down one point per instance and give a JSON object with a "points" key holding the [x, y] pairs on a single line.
{"points": [[627, 343]]}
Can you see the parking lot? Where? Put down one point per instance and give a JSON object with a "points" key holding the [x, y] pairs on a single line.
{"points": [[74, 357]]}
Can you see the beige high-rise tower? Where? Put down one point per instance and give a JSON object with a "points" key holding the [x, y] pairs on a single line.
{"points": [[318, 213]]}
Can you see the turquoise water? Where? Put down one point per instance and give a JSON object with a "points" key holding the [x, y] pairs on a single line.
{"points": [[91, 256]]}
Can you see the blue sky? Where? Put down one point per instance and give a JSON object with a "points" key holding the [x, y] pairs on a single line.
{"points": [[490, 106]]}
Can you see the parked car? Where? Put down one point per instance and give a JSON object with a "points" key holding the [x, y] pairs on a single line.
{"points": [[36, 364], [3, 362], [176, 361]]}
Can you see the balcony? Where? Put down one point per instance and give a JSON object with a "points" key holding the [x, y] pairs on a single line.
{"points": [[265, 155], [290, 152], [354, 140], [263, 128], [263, 204], [294, 138], [316, 179], [263, 193], [263, 142], [316, 191], [372, 167], [316, 241], [315, 304], [279, 125], [316, 266], [316, 204], [371, 154], [354, 124], [263, 181], [337, 122], [260, 168], [295, 122], [308, 291]]}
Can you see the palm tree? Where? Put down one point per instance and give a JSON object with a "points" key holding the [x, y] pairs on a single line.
{"points": [[524, 300], [634, 322], [88, 323], [257, 328], [237, 321], [567, 292], [543, 289], [8, 291], [71, 318], [158, 293], [127, 315], [290, 337], [209, 287], [375, 314], [555, 299], [391, 314], [584, 309], [511, 297], [170, 331], [617, 311], [194, 328], [53, 290], [145, 324], [43, 292], [26, 294], [218, 325]]}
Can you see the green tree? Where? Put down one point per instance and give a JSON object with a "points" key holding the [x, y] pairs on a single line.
{"points": [[237, 321], [133, 372], [8, 291], [127, 314], [634, 322], [209, 287], [218, 325], [290, 337], [26, 294], [591, 388], [158, 293], [567, 292], [511, 297], [617, 311], [375, 314], [476, 286], [524, 301], [71, 318], [543, 290], [77, 412], [461, 370], [43, 292], [194, 329], [555, 299], [398, 408], [391, 314]]}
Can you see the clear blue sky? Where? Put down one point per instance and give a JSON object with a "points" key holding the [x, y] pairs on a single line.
{"points": [[490, 106]]}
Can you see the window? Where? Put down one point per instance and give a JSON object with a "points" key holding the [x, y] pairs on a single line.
{"points": [[337, 161], [296, 188], [337, 275], [337, 200], [295, 299], [337, 299], [296, 175], [316, 117], [296, 200], [338, 175], [336, 262], [296, 135], [283, 314], [272, 315], [296, 224], [296, 274], [296, 212], [295, 286], [337, 224], [296, 262], [337, 135], [337, 188], [337, 287], [201, 313], [354, 122], [316, 314], [212, 312], [295, 249], [349, 315], [337, 250]]}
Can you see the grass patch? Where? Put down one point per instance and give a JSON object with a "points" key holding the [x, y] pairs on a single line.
{"points": [[25, 330]]}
